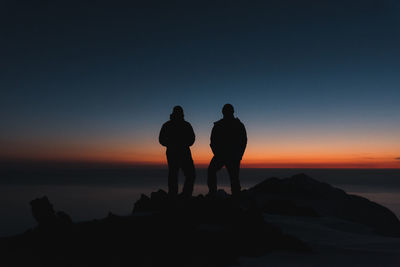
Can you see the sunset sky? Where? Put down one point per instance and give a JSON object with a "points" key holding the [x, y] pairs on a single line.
{"points": [[316, 83]]}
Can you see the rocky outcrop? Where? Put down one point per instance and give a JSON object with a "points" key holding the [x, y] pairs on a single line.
{"points": [[198, 231], [46, 217], [322, 199]]}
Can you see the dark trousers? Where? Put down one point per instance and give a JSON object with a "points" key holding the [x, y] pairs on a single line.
{"points": [[233, 167], [180, 160]]}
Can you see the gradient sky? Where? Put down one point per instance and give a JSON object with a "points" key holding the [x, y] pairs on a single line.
{"points": [[316, 83]]}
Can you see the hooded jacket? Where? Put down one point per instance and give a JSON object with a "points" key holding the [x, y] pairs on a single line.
{"points": [[176, 134], [228, 139]]}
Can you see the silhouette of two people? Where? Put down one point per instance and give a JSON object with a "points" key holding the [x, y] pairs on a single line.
{"points": [[228, 143], [178, 135]]}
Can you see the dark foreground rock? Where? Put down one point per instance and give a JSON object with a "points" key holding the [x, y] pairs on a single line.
{"points": [[161, 232], [305, 196], [46, 217], [199, 231]]}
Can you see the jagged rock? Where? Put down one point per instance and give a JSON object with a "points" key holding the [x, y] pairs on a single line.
{"points": [[173, 233], [142, 203], [157, 201], [326, 200], [164, 231], [46, 217], [160, 195], [42, 211]]}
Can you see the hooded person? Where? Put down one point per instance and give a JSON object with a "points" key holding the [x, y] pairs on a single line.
{"points": [[228, 143], [178, 135]]}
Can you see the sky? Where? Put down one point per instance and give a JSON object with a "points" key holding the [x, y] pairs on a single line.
{"points": [[316, 83]]}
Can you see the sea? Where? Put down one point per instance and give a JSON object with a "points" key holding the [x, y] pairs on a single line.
{"points": [[87, 193]]}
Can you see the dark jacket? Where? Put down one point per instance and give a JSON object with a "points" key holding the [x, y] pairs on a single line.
{"points": [[228, 139], [176, 134]]}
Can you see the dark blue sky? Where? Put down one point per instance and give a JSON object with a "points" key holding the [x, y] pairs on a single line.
{"points": [[105, 75]]}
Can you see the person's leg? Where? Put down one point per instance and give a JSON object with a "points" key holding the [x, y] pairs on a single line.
{"points": [[233, 168], [215, 165], [173, 168], [190, 175]]}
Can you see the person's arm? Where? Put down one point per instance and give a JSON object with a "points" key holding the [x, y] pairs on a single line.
{"points": [[191, 135], [162, 138], [213, 141], [243, 134]]}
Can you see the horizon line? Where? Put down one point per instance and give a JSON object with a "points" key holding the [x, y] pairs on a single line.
{"points": [[260, 165]]}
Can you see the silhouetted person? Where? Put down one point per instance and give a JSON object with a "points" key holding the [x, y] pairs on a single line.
{"points": [[228, 142], [177, 135]]}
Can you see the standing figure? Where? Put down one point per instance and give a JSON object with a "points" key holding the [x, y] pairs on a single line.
{"points": [[228, 142], [177, 135]]}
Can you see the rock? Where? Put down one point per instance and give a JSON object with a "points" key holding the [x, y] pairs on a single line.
{"points": [[305, 192], [159, 196], [63, 218], [46, 217], [165, 231], [172, 233], [42, 211], [142, 204], [157, 201], [289, 208]]}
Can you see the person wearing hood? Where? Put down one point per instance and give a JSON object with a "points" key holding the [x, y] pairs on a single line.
{"points": [[228, 143], [178, 135]]}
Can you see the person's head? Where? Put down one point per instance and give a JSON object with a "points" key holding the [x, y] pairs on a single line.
{"points": [[228, 111], [177, 113]]}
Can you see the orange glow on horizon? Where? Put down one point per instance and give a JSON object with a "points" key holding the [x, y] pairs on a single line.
{"points": [[249, 161], [301, 154]]}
